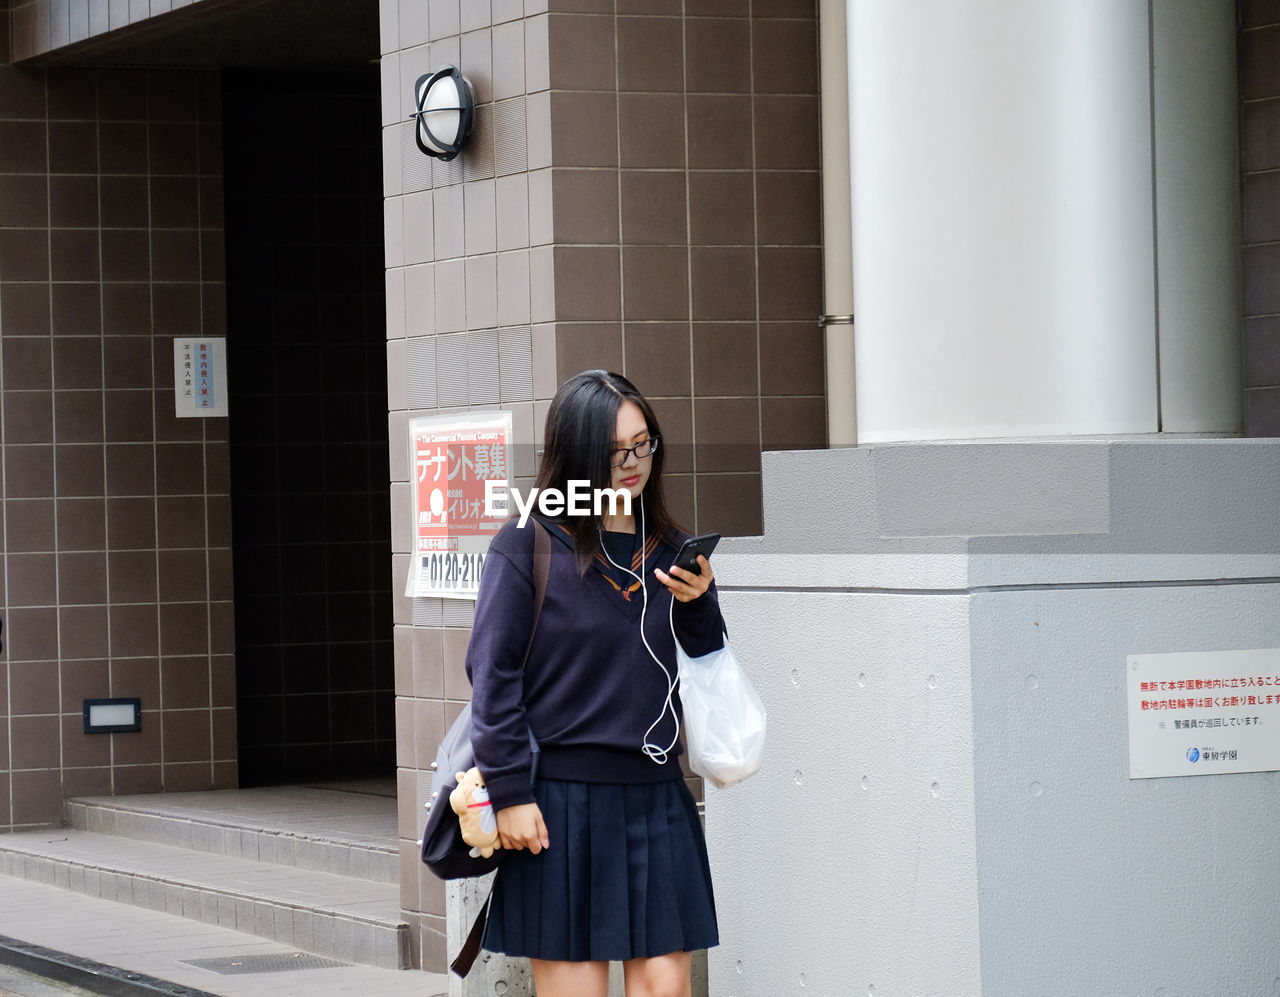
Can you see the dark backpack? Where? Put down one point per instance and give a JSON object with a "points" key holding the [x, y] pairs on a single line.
{"points": [[443, 850]]}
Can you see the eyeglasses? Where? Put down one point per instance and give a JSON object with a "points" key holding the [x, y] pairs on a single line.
{"points": [[643, 449]]}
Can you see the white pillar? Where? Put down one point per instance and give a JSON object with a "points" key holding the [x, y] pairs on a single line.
{"points": [[1005, 253], [837, 235]]}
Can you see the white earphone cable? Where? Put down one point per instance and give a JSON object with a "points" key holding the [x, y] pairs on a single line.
{"points": [[656, 753]]}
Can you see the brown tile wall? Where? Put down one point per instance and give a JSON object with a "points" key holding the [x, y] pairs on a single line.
{"points": [[686, 222], [1259, 55], [470, 323], [116, 514], [308, 425], [635, 165]]}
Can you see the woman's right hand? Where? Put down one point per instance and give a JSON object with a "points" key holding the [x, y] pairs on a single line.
{"points": [[522, 827]]}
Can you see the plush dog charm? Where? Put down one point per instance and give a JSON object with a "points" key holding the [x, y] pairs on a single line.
{"points": [[470, 801]]}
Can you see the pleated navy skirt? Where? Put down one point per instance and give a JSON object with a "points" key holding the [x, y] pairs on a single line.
{"points": [[626, 877]]}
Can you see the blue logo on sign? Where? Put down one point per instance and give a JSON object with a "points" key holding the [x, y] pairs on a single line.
{"points": [[1193, 754]]}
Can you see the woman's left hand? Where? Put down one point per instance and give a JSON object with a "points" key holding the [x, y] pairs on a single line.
{"points": [[685, 586]]}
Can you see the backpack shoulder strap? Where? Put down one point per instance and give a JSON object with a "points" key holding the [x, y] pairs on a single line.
{"points": [[541, 571]]}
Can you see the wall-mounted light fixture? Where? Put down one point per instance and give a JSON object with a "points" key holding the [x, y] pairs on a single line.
{"points": [[112, 716], [446, 111]]}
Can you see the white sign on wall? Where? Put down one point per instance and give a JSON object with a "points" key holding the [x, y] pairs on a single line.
{"points": [[1204, 713], [200, 377]]}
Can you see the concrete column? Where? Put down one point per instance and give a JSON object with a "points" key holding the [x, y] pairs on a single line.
{"points": [[940, 634], [1005, 257]]}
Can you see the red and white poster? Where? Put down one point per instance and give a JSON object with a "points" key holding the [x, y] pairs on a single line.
{"points": [[453, 456]]}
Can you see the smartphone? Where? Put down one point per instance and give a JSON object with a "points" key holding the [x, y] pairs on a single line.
{"points": [[687, 558]]}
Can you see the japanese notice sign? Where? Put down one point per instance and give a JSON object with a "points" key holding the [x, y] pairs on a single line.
{"points": [[199, 377], [453, 456], [1204, 713]]}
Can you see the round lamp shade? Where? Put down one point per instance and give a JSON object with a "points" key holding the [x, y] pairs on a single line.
{"points": [[446, 110]]}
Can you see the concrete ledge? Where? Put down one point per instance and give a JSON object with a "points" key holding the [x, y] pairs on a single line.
{"points": [[85, 974], [993, 489], [975, 515]]}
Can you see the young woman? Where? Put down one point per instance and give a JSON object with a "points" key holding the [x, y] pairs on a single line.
{"points": [[608, 860]]}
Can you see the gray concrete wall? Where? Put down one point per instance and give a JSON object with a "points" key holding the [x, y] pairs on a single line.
{"points": [[1090, 882], [940, 634], [849, 860]]}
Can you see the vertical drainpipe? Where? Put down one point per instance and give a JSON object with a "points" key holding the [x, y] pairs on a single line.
{"points": [[837, 225]]}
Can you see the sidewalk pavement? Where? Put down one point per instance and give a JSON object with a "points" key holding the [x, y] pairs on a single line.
{"points": [[149, 944]]}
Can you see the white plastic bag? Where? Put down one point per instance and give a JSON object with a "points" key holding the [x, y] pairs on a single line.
{"points": [[724, 720]]}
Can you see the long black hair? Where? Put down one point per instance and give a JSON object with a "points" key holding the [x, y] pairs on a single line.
{"points": [[577, 442]]}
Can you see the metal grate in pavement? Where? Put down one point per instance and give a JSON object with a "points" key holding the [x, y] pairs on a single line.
{"points": [[271, 962]]}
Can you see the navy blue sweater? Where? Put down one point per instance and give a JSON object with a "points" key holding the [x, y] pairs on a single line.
{"points": [[590, 690]]}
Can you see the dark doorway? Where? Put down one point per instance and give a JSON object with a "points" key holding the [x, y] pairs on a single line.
{"points": [[307, 377]]}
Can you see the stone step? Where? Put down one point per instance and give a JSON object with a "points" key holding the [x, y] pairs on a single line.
{"points": [[344, 918], [311, 828]]}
